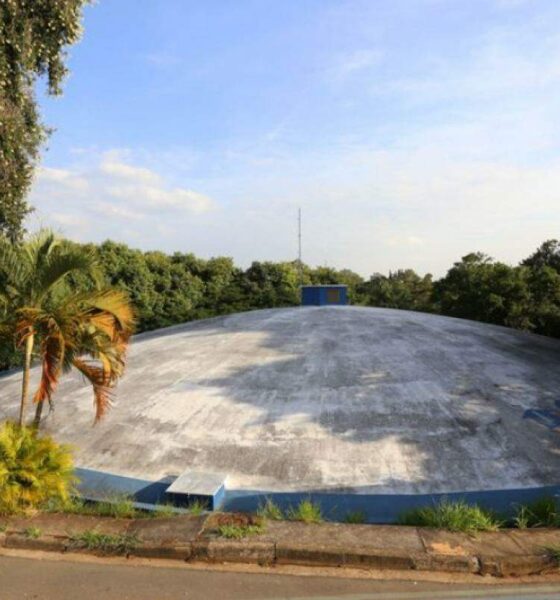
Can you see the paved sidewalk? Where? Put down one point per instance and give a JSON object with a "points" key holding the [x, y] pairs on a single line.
{"points": [[188, 538]]}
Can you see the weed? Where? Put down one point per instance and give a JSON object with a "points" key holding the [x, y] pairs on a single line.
{"points": [[454, 516], [540, 513], [3, 527], [306, 511], [32, 533], [522, 518], [164, 510], [106, 543], [237, 532], [271, 511], [197, 508], [355, 517], [119, 506], [554, 553]]}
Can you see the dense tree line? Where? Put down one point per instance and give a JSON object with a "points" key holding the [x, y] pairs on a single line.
{"points": [[170, 289]]}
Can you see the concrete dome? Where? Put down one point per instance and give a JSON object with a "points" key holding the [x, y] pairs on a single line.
{"points": [[325, 399]]}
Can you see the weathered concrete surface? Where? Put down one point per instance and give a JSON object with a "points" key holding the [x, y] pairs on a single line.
{"points": [[501, 553], [333, 398]]}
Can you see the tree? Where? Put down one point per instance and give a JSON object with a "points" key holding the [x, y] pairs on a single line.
{"points": [[480, 289], [546, 255], [33, 37], [63, 324], [403, 289]]}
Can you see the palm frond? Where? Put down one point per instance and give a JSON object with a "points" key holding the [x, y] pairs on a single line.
{"points": [[57, 266], [101, 386]]}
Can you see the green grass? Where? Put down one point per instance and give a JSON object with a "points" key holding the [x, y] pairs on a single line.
{"points": [[237, 532], [118, 506], [541, 513], [3, 527], [271, 511], [106, 543], [355, 517], [453, 516], [164, 511], [306, 511], [32, 533], [197, 508]]}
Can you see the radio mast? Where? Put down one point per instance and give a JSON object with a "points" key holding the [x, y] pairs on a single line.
{"points": [[300, 263]]}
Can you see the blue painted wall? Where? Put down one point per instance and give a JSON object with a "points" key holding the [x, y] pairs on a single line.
{"points": [[321, 295], [377, 508]]}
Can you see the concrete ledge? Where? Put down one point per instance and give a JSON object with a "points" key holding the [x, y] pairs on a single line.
{"points": [[184, 552], [243, 551], [46, 543], [499, 554]]}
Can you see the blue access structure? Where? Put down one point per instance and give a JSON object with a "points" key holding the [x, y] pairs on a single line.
{"points": [[324, 295]]}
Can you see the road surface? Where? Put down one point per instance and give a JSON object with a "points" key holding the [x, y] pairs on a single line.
{"points": [[68, 579]]}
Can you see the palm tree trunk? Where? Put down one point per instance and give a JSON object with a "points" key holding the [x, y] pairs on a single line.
{"points": [[26, 372], [38, 413]]}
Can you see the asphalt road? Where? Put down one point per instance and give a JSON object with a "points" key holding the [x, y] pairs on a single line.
{"points": [[44, 579]]}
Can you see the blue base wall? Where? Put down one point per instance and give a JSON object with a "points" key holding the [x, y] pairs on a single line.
{"points": [[386, 508], [377, 508]]}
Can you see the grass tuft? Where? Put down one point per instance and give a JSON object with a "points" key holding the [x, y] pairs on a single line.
{"points": [[106, 543], [306, 511], [163, 511], [541, 513], [355, 517], [32, 533], [453, 516], [271, 511], [197, 508], [237, 532]]}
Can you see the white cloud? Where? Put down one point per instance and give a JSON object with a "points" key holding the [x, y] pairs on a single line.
{"points": [[108, 195]]}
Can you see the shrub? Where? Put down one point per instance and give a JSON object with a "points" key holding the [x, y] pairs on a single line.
{"points": [[34, 470], [454, 516], [270, 510], [306, 511]]}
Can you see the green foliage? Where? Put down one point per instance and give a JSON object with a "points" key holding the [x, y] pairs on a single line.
{"points": [[33, 470], [104, 543], [540, 513], [33, 37], [402, 289], [32, 533], [163, 511], [271, 511], [306, 511], [237, 532], [355, 517], [453, 516], [553, 552], [197, 507], [119, 506]]}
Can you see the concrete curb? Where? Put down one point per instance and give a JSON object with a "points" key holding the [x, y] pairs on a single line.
{"points": [[365, 546]]}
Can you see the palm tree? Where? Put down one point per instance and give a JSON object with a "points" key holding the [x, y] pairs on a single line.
{"points": [[65, 326], [88, 332]]}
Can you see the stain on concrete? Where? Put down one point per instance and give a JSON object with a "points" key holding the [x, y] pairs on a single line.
{"points": [[374, 400]]}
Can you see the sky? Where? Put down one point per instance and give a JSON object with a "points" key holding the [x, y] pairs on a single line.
{"points": [[410, 132]]}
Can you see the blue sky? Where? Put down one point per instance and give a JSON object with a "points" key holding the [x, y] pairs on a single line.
{"points": [[410, 132]]}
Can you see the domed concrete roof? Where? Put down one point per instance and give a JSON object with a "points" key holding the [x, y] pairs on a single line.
{"points": [[331, 399]]}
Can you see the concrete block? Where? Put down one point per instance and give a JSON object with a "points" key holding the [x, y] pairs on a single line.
{"points": [[245, 551]]}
